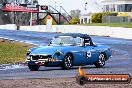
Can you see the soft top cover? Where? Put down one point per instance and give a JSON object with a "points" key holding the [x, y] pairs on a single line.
{"points": [[74, 35]]}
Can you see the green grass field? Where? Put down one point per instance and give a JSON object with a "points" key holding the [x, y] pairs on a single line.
{"points": [[12, 52], [125, 25]]}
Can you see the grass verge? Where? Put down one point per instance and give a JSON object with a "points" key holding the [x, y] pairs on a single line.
{"points": [[12, 52], [125, 25]]}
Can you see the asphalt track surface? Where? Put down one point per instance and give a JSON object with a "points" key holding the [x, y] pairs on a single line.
{"points": [[120, 63]]}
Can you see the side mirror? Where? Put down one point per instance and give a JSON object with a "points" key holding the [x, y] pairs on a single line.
{"points": [[49, 44]]}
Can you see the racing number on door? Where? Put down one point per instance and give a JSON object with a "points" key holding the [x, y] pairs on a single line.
{"points": [[88, 55]]}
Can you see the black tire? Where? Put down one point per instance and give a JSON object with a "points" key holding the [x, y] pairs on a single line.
{"points": [[81, 80], [33, 67], [101, 61], [67, 62]]}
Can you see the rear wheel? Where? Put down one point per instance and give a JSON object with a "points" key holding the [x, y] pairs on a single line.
{"points": [[67, 62], [33, 67], [101, 61]]}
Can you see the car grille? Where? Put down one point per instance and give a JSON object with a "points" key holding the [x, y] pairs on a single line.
{"points": [[36, 57]]}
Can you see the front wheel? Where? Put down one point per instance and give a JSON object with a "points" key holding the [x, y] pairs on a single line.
{"points": [[33, 67], [101, 61], [67, 62]]}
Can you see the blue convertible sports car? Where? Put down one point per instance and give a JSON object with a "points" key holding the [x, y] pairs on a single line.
{"points": [[67, 50]]}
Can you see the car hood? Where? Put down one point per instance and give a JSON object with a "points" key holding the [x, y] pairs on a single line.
{"points": [[50, 50]]}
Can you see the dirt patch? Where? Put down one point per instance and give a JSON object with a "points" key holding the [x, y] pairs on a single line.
{"points": [[55, 83]]}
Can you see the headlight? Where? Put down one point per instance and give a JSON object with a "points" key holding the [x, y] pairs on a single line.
{"points": [[58, 53], [28, 52], [28, 56]]}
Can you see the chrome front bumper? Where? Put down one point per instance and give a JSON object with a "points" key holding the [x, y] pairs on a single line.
{"points": [[44, 60]]}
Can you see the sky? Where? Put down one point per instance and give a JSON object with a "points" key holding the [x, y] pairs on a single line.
{"points": [[92, 5]]}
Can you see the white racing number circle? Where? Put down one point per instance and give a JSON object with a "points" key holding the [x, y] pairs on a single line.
{"points": [[88, 54]]}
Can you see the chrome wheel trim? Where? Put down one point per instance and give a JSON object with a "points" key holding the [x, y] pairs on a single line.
{"points": [[68, 61], [101, 59]]}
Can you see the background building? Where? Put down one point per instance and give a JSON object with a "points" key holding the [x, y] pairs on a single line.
{"points": [[14, 17], [85, 18], [117, 5], [122, 7]]}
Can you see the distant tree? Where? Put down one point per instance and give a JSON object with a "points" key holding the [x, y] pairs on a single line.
{"points": [[1, 1], [26, 1], [72, 13], [35, 1], [64, 14], [78, 12], [30, 1], [75, 13], [74, 21], [97, 17], [63, 20]]}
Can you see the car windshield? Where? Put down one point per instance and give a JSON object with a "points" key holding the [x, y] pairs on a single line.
{"points": [[66, 40]]}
